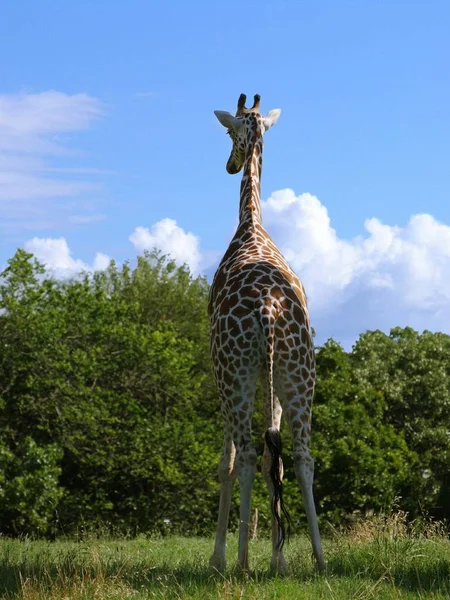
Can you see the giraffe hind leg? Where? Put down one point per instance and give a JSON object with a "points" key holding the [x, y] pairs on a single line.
{"points": [[296, 400], [227, 476], [246, 469], [237, 385], [304, 471], [240, 415], [238, 400]]}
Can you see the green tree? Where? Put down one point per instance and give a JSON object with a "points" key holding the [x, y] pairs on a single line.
{"points": [[29, 487], [362, 462], [97, 367], [109, 412], [412, 371]]}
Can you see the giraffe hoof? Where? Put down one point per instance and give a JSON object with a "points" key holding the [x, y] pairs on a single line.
{"points": [[242, 570], [279, 566], [217, 563], [321, 567]]}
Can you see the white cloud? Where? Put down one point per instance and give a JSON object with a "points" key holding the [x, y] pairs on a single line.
{"points": [[389, 276], [56, 255], [34, 128], [171, 239], [101, 262]]}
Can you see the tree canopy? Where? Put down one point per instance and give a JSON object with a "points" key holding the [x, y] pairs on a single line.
{"points": [[109, 414]]}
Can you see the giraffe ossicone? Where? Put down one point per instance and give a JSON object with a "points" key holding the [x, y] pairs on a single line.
{"points": [[259, 329]]}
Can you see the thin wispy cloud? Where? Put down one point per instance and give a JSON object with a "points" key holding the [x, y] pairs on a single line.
{"points": [[34, 130], [79, 171], [26, 116], [20, 185], [85, 219]]}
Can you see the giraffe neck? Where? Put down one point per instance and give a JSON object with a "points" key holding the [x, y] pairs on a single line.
{"points": [[250, 202]]}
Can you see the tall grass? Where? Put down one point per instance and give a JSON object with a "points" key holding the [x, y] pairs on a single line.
{"points": [[381, 557]]}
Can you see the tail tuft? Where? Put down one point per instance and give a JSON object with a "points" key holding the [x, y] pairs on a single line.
{"points": [[274, 445]]}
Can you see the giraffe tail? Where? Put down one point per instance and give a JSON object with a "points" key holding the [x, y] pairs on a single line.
{"points": [[272, 436], [274, 445]]}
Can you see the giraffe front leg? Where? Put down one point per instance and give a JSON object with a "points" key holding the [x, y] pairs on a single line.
{"points": [[227, 478]]}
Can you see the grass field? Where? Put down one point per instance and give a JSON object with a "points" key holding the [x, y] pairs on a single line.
{"points": [[381, 559]]}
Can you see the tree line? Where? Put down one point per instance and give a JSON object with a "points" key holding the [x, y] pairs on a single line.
{"points": [[109, 415]]}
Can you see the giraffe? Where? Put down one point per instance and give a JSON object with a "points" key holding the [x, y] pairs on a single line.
{"points": [[259, 329]]}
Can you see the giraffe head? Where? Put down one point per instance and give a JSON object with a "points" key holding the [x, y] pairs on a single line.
{"points": [[246, 121]]}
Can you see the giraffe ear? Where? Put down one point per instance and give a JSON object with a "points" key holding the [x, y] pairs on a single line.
{"points": [[228, 120], [271, 118]]}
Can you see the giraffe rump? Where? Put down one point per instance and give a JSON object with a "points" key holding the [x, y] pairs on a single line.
{"points": [[274, 445]]}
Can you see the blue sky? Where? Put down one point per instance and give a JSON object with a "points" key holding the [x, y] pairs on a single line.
{"points": [[107, 125]]}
